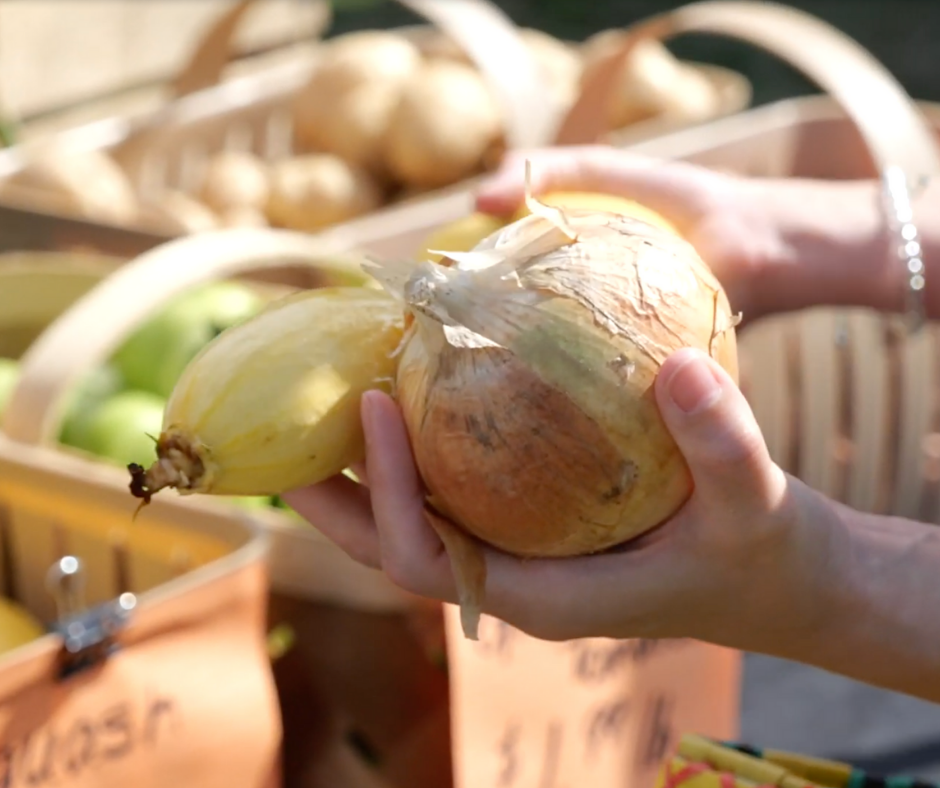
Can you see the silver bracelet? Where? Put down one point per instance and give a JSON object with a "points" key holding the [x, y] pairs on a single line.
{"points": [[897, 193]]}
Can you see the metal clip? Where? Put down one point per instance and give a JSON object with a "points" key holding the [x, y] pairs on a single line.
{"points": [[897, 193], [88, 634]]}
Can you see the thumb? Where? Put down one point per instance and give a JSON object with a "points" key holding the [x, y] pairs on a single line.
{"points": [[715, 430]]}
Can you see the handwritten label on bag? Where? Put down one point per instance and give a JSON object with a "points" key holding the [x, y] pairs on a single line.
{"points": [[194, 707], [69, 747], [537, 714]]}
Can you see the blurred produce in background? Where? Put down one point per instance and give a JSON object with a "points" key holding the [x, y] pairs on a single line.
{"points": [[901, 34], [115, 412], [381, 115]]}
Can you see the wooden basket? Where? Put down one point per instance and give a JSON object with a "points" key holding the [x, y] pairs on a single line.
{"points": [[849, 399], [206, 70], [169, 148], [155, 668], [359, 667], [83, 336]]}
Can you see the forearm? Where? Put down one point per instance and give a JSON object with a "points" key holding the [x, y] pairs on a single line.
{"points": [[879, 611], [833, 246]]}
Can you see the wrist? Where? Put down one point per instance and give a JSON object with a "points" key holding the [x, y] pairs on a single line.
{"points": [[887, 632], [785, 591], [806, 580], [827, 244], [862, 599]]}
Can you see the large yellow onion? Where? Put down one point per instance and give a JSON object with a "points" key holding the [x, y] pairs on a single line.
{"points": [[526, 379]]}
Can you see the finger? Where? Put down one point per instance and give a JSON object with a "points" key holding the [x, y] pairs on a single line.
{"points": [[675, 189], [516, 590], [552, 169], [619, 594], [340, 509], [359, 469], [412, 554], [716, 431]]}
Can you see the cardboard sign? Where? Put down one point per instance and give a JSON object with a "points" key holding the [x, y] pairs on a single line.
{"points": [[528, 713], [187, 701]]}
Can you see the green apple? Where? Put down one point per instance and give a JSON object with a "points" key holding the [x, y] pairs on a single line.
{"points": [[250, 502], [154, 356], [123, 428], [223, 303], [9, 375], [98, 385], [279, 503]]}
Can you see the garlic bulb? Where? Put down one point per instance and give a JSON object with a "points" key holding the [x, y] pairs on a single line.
{"points": [[525, 381]]}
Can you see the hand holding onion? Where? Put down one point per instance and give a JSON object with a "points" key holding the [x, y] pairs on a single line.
{"points": [[517, 444], [775, 244], [525, 374], [737, 560], [725, 217]]}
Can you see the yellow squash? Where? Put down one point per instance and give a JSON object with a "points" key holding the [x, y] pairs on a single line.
{"points": [[272, 404]]}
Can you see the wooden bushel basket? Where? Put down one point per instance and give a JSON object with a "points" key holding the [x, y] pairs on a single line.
{"points": [[170, 147], [56, 504], [356, 665], [156, 662], [848, 398], [155, 671]]}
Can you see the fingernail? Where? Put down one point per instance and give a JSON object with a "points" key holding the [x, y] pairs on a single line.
{"points": [[367, 412], [693, 386]]}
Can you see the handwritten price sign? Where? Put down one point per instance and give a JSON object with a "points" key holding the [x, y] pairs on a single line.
{"points": [[182, 705], [606, 713]]}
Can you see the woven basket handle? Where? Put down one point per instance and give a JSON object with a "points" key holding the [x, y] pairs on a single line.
{"points": [[87, 333], [903, 150], [890, 123], [215, 49], [479, 27]]}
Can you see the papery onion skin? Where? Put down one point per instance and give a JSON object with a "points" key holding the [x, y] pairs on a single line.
{"points": [[525, 466]]}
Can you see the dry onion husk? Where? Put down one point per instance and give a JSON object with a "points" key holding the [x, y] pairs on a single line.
{"points": [[525, 381]]}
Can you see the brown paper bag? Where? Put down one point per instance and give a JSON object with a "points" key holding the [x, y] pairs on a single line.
{"points": [[160, 680], [181, 703], [529, 713]]}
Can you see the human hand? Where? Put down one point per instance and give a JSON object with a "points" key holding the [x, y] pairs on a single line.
{"points": [[721, 215], [775, 244], [743, 563]]}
